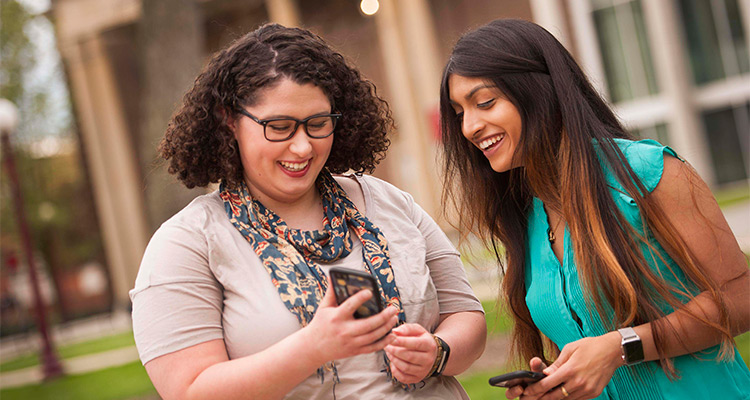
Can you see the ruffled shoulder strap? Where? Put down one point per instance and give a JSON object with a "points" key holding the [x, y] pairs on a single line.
{"points": [[646, 158]]}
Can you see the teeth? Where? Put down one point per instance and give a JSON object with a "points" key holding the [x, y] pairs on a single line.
{"points": [[484, 144], [294, 167]]}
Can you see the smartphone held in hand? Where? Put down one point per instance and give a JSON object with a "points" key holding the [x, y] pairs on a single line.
{"points": [[347, 282], [515, 378]]}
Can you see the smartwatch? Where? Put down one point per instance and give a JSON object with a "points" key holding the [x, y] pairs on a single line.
{"points": [[444, 351], [632, 348]]}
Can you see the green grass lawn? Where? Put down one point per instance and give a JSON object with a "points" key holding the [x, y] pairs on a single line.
{"points": [[743, 345], [498, 322], [477, 388], [728, 197], [129, 381], [73, 350]]}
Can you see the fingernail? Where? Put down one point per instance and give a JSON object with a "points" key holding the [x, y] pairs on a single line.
{"points": [[547, 371]]}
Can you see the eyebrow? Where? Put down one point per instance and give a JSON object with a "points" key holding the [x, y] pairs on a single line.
{"points": [[473, 91], [284, 116], [476, 89]]}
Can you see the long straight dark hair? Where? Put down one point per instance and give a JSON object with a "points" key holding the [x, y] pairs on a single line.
{"points": [[562, 116]]}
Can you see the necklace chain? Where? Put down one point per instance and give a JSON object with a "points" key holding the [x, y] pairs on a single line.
{"points": [[551, 231]]}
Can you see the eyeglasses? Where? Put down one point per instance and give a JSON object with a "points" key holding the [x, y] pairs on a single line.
{"points": [[317, 126]]}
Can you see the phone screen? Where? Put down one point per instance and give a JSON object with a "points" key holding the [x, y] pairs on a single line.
{"points": [[347, 282]]}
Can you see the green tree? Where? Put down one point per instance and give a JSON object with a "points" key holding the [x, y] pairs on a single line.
{"points": [[17, 55], [57, 197]]}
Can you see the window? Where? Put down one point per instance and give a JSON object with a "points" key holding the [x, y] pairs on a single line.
{"points": [[624, 46], [657, 132], [715, 39], [728, 136]]}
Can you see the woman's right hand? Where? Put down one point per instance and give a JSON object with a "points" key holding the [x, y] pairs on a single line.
{"points": [[337, 334], [536, 365]]}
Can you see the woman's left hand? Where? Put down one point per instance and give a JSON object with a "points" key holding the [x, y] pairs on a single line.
{"points": [[582, 371], [412, 354]]}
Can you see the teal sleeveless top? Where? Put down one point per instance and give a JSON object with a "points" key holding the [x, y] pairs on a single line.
{"points": [[556, 302]]}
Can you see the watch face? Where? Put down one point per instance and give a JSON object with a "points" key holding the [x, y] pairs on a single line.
{"points": [[633, 351]]}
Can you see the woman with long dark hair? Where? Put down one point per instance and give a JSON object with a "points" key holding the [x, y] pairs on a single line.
{"points": [[617, 260], [233, 300]]}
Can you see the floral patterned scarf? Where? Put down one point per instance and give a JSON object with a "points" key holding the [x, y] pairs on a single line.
{"points": [[291, 257]]}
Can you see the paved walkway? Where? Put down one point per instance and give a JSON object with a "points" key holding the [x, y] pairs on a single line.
{"points": [[63, 334], [72, 366], [66, 334]]}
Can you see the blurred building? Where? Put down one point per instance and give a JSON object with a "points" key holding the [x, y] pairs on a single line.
{"points": [[675, 70]]}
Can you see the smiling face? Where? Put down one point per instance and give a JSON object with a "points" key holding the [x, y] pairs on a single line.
{"points": [[488, 119], [283, 173]]}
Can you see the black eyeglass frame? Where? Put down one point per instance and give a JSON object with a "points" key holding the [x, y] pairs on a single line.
{"points": [[297, 122]]}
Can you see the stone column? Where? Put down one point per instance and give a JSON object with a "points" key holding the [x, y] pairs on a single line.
{"points": [[411, 95], [550, 14], [113, 167], [284, 12]]}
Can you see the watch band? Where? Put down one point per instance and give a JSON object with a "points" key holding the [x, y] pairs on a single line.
{"points": [[444, 351], [632, 348]]}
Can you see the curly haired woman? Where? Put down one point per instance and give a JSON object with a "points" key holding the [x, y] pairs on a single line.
{"points": [[615, 249], [231, 300]]}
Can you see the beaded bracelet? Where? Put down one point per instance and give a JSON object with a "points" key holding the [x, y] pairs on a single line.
{"points": [[441, 359]]}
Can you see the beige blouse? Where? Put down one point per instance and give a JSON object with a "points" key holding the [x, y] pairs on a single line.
{"points": [[200, 280]]}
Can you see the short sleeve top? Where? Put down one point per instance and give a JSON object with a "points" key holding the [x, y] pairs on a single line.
{"points": [[555, 298], [200, 280]]}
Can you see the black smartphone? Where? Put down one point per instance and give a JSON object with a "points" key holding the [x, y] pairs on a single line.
{"points": [[347, 282], [516, 378]]}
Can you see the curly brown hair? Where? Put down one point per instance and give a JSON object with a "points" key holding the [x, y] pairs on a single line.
{"points": [[199, 143]]}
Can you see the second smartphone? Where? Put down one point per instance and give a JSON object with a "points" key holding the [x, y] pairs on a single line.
{"points": [[515, 378]]}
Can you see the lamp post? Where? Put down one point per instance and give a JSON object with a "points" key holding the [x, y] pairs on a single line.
{"points": [[8, 119]]}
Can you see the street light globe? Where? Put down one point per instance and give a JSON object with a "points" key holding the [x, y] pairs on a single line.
{"points": [[8, 116], [369, 7]]}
